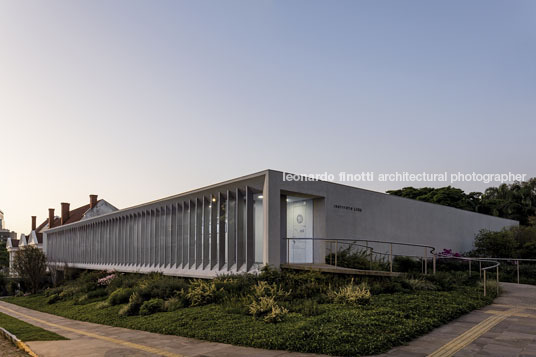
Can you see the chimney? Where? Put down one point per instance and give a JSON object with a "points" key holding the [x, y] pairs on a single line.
{"points": [[50, 217], [92, 201], [34, 218], [64, 212]]}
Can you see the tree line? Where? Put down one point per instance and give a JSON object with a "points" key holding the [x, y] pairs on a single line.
{"points": [[514, 201]]}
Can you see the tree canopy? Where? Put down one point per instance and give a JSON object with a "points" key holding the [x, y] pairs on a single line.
{"points": [[30, 264], [515, 201]]}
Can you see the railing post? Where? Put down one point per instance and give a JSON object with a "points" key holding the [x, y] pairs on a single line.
{"points": [[425, 261], [480, 268], [497, 280], [469, 267], [434, 263], [517, 263], [484, 283], [391, 257], [336, 250]]}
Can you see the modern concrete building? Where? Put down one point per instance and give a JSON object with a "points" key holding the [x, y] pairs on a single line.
{"points": [[265, 218]]}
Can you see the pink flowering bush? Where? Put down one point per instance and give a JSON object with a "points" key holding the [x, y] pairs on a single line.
{"points": [[106, 280], [448, 253]]}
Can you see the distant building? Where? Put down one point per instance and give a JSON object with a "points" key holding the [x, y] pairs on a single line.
{"points": [[4, 232], [94, 208]]}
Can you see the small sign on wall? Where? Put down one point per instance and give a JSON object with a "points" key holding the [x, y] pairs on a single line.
{"points": [[348, 208]]}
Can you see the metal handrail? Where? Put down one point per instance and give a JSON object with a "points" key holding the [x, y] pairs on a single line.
{"points": [[391, 243], [483, 271], [495, 265]]}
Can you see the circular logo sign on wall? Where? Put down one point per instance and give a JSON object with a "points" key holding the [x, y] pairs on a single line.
{"points": [[299, 218]]}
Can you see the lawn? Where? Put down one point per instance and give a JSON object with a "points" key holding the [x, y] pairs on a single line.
{"points": [[25, 331], [395, 313]]}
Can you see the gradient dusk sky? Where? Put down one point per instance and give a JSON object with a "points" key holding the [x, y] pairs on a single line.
{"points": [[138, 100]]}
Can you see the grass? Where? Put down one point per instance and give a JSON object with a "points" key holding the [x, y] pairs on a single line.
{"points": [[386, 321], [25, 331]]}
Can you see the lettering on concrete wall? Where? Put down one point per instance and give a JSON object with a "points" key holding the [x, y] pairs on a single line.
{"points": [[348, 208]]}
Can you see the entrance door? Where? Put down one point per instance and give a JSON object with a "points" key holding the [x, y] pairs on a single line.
{"points": [[300, 225]]}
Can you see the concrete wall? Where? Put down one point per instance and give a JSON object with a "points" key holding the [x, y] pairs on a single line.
{"points": [[355, 213]]}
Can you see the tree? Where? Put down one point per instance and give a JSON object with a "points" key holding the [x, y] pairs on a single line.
{"points": [[4, 255], [515, 201], [30, 263]]}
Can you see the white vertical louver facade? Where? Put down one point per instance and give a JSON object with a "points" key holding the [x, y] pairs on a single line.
{"points": [[199, 234]]}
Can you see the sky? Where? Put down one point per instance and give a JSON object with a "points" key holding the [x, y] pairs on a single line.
{"points": [[139, 100]]}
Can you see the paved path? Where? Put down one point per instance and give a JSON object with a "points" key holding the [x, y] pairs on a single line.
{"points": [[88, 339], [506, 328]]}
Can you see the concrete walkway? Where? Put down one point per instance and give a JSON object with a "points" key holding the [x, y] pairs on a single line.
{"points": [[89, 339], [504, 329]]}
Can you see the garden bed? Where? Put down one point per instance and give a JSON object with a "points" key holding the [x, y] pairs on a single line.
{"points": [[318, 313]]}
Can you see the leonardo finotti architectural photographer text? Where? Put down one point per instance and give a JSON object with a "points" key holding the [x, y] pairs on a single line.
{"points": [[404, 176]]}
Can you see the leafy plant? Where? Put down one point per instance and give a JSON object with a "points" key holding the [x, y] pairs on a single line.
{"points": [[53, 299], [421, 284], [174, 304], [133, 307], [351, 294], [202, 292], [120, 296], [151, 306], [277, 314]]}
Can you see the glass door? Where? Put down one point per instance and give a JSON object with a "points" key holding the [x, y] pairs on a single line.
{"points": [[300, 225]]}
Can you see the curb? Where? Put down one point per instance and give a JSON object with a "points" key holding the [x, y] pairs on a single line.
{"points": [[15, 340]]}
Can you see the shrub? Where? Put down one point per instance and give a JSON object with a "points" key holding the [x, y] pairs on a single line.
{"points": [[235, 285], [133, 307], [30, 263], [174, 304], [277, 314], [236, 305], [421, 284], [357, 258], [492, 288], [151, 306], [105, 281], [202, 292], [263, 289], [351, 294], [307, 307], [266, 307], [449, 281], [156, 285], [12, 286], [406, 265], [68, 292], [97, 293], [71, 273], [124, 280], [52, 291], [261, 306], [53, 299], [120, 296]]}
